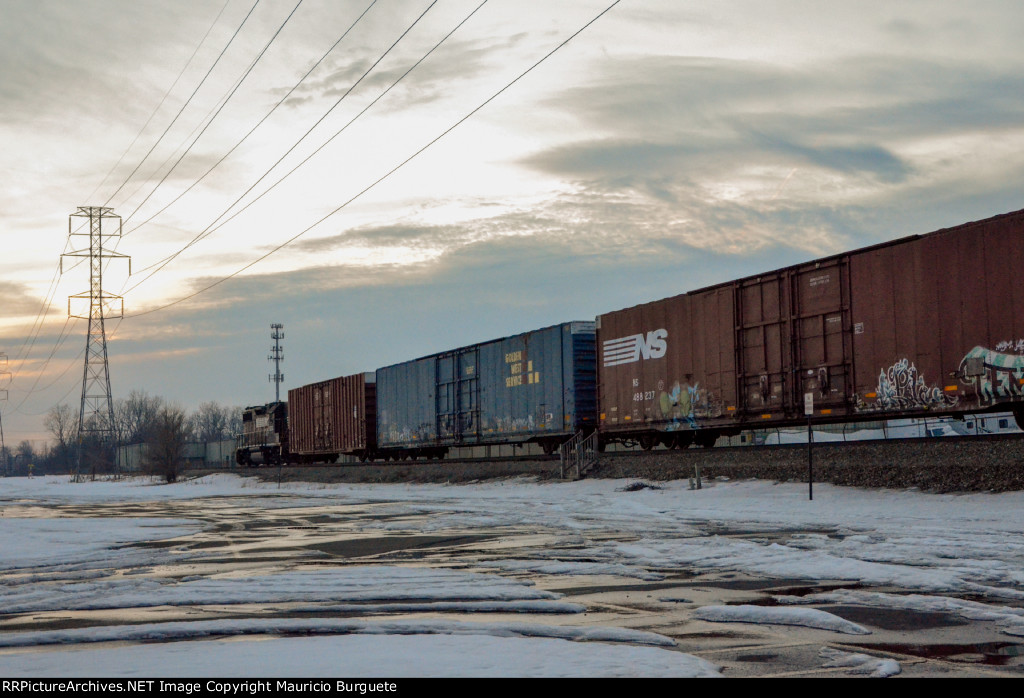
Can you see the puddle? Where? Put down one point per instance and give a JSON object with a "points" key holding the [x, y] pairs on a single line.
{"points": [[896, 618], [365, 547], [802, 591], [987, 653], [581, 590], [757, 657], [743, 584]]}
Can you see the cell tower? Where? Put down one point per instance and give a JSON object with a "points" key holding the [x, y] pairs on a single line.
{"points": [[277, 357], [4, 377], [96, 428]]}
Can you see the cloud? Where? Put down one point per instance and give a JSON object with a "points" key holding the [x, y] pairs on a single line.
{"points": [[430, 81], [17, 301]]}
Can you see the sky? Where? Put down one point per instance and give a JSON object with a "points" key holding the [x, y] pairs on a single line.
{"points": [[80, 550], [666, 147]]}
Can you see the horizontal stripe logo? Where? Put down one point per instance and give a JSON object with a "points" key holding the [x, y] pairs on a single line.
{"points": [[627, 350]]}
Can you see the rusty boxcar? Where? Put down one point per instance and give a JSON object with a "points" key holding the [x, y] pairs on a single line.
{"points": [[924, 325], [333, 418]]}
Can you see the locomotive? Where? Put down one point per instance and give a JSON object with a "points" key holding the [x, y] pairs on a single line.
{"points": [[924, 325]]}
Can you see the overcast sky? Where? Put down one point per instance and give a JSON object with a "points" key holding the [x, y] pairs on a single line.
{"points": [[668, 146]]}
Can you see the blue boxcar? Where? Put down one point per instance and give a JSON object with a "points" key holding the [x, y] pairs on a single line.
{"points": [[534, 387]]}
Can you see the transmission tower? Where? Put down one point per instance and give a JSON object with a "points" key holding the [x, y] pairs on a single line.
{"points": [[4, 377], [277, 357], [96, 427]]}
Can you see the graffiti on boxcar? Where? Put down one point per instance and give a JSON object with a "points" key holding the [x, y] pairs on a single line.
{"points": [[994, 374], [1007, 346], [901, 387], [507, 424], [685, 403]]}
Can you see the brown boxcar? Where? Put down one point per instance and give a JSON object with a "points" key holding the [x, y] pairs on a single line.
{"points": [[333, 418], [924, 325]]}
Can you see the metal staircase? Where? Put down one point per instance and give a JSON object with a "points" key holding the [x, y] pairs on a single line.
{"points": [[577, 455]]}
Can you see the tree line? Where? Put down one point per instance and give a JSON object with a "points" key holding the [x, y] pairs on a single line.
{"points": [[139, 418]]}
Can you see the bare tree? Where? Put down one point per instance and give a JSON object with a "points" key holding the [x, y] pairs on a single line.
{"points": [[213, 422], [62, 423], [166, 445], [135, 416]]}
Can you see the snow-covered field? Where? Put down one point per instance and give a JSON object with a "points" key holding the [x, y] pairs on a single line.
{"points": [[71, 550]]}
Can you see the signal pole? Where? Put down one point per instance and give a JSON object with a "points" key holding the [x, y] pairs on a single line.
{"points": [[277, 357], [96, 413]]}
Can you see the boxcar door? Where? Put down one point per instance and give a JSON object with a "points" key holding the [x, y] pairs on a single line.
{"points": [[821, 337], [457, 396], [764, 359]]}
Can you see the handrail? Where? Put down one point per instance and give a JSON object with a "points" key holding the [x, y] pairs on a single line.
{"points": [[579, 453]]}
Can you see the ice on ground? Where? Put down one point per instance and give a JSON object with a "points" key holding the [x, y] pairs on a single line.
{"points": [[936, 546], [874, 667], [188, 630], [765, 615], [36, 542], [1010, 618], [353, 656], [365, 584]]}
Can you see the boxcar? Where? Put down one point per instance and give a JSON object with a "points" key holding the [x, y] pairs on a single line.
{"points": [[927, 324], [534, 387], [333, 418]]}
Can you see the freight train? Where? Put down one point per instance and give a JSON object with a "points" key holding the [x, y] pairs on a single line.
{"points": [[924, 325]]}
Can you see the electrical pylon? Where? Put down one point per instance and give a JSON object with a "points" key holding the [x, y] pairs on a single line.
{"points": [[96, 427], [277, 357]]}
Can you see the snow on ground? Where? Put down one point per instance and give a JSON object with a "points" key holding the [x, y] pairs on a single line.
{"points": [[1009, 619], [803, 617], [344, 584], [33, 542], [937, 546], [392, 656], [860, 663]]}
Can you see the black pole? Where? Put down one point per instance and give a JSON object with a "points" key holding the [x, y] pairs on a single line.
{"points": [[810, 460]]}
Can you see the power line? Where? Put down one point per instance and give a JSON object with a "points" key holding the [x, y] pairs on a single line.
{"points": [[214, 226], [389, 173], [258, 124], [219, 109], [62, 337], [164, 99]]}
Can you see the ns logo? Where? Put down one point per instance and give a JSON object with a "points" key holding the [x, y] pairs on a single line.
{"points": [[627, 350]]}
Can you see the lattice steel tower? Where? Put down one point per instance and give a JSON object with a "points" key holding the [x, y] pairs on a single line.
{"points": [[277, 357], [96, 427]]}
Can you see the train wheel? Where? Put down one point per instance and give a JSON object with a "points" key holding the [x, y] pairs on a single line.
{"points": [[1018, 414], [648, 441], [548, 446], [684, 439]]}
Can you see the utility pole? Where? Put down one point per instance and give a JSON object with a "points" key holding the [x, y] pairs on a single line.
{"points": [[4, 377], [96, 413], [277, 357]]}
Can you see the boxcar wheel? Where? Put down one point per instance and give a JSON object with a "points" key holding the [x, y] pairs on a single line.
{"points": [[648, 441], [1018, 414]]}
